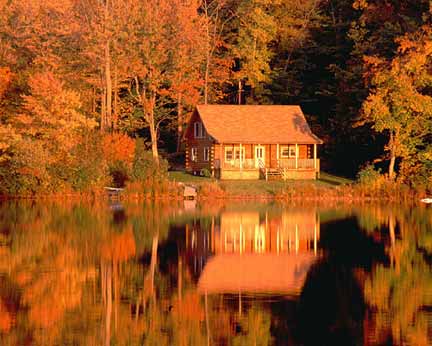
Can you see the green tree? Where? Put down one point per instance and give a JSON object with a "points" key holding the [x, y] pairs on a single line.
{"points": [[255, 33]]}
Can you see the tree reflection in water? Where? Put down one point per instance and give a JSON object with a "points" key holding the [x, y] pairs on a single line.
{"points": [[157, 274]]}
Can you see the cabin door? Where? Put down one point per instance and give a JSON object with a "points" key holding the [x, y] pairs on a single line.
{"points": [[259, 156]]}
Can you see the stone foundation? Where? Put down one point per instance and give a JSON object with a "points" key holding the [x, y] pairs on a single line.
{"points": [[246, 174]]}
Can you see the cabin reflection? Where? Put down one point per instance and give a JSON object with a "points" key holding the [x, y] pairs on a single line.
{"points": [[249, 232], [251, 251]]}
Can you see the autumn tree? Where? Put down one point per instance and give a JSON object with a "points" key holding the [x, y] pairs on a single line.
{"points": [[399, 103], [52, 113], [150, 54], [217, 16], [185, 77], [104, 34]]}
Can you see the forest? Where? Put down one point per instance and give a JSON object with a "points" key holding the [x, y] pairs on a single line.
{"points": [[93, 91]]}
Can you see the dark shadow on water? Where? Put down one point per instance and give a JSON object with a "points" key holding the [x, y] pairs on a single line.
{"points": [[330, 310]]}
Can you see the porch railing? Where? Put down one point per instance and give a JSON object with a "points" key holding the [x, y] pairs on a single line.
{"points": [[282, 163], [247, 164], [301, 163]]}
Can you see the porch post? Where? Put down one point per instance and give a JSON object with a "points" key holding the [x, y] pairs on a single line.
{"points": [[315, 156], [277, 154], [222, 157], [296, 157], [241, 158]]}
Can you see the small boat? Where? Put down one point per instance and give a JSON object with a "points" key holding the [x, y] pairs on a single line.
{"points": [[426, 200]]}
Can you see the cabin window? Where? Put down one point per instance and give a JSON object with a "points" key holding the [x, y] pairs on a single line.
{"points": [[206, 153], [237, 153], [199, 130], [229, 154], [194, 154], [288, 151]]}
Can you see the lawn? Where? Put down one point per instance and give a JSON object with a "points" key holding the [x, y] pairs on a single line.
{"points": [[182, 177], [259, 187]]}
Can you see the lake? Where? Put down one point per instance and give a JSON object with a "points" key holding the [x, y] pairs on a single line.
{"points": [[223, 273]]}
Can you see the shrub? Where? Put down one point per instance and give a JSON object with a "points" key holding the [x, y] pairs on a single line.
{"points": [[205, 173], [85, 167], [153, 178], [211, 190], [369, 175], [144, 167], [24, 171]]}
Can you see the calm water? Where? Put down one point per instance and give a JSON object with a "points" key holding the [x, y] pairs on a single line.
{"points": [[228, 274]]}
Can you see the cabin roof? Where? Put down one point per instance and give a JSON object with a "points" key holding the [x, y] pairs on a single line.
{"points": [[256, 124], [270, 273]]}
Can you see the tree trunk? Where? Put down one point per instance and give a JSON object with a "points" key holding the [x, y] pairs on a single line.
{"points": [[392, 157], [179, 121], [115, 109], [148, 107], [208, 54], [391, 167], [103, 110], [108, 85], [206, 78], [94, 96], [153, 137]]}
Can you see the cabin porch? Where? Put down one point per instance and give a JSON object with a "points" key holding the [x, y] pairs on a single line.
{"points": [[265, 161]]}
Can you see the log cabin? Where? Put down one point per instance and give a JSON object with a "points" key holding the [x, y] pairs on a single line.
{"points": [[251, 142]]}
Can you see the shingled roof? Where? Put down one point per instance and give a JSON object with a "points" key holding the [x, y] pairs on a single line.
{"points": [[256, 124]]}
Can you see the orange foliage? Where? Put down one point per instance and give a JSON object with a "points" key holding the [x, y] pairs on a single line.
{"points": [[53, 113], [5, 78], [118, 147]]}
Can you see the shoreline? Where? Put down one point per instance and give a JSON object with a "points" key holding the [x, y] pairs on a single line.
{"points": [[343, 194]]}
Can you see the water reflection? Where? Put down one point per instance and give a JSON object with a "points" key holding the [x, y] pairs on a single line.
{"points": [[131, 274], [267, 254]]}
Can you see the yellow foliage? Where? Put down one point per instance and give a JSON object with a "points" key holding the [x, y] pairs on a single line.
{"points": [[360, 4]]}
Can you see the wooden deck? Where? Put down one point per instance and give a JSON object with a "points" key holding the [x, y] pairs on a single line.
{"points": [[285, 169]]}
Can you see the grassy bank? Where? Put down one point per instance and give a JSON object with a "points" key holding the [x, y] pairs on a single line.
{"points": [[327, 187], [255, 188]]}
